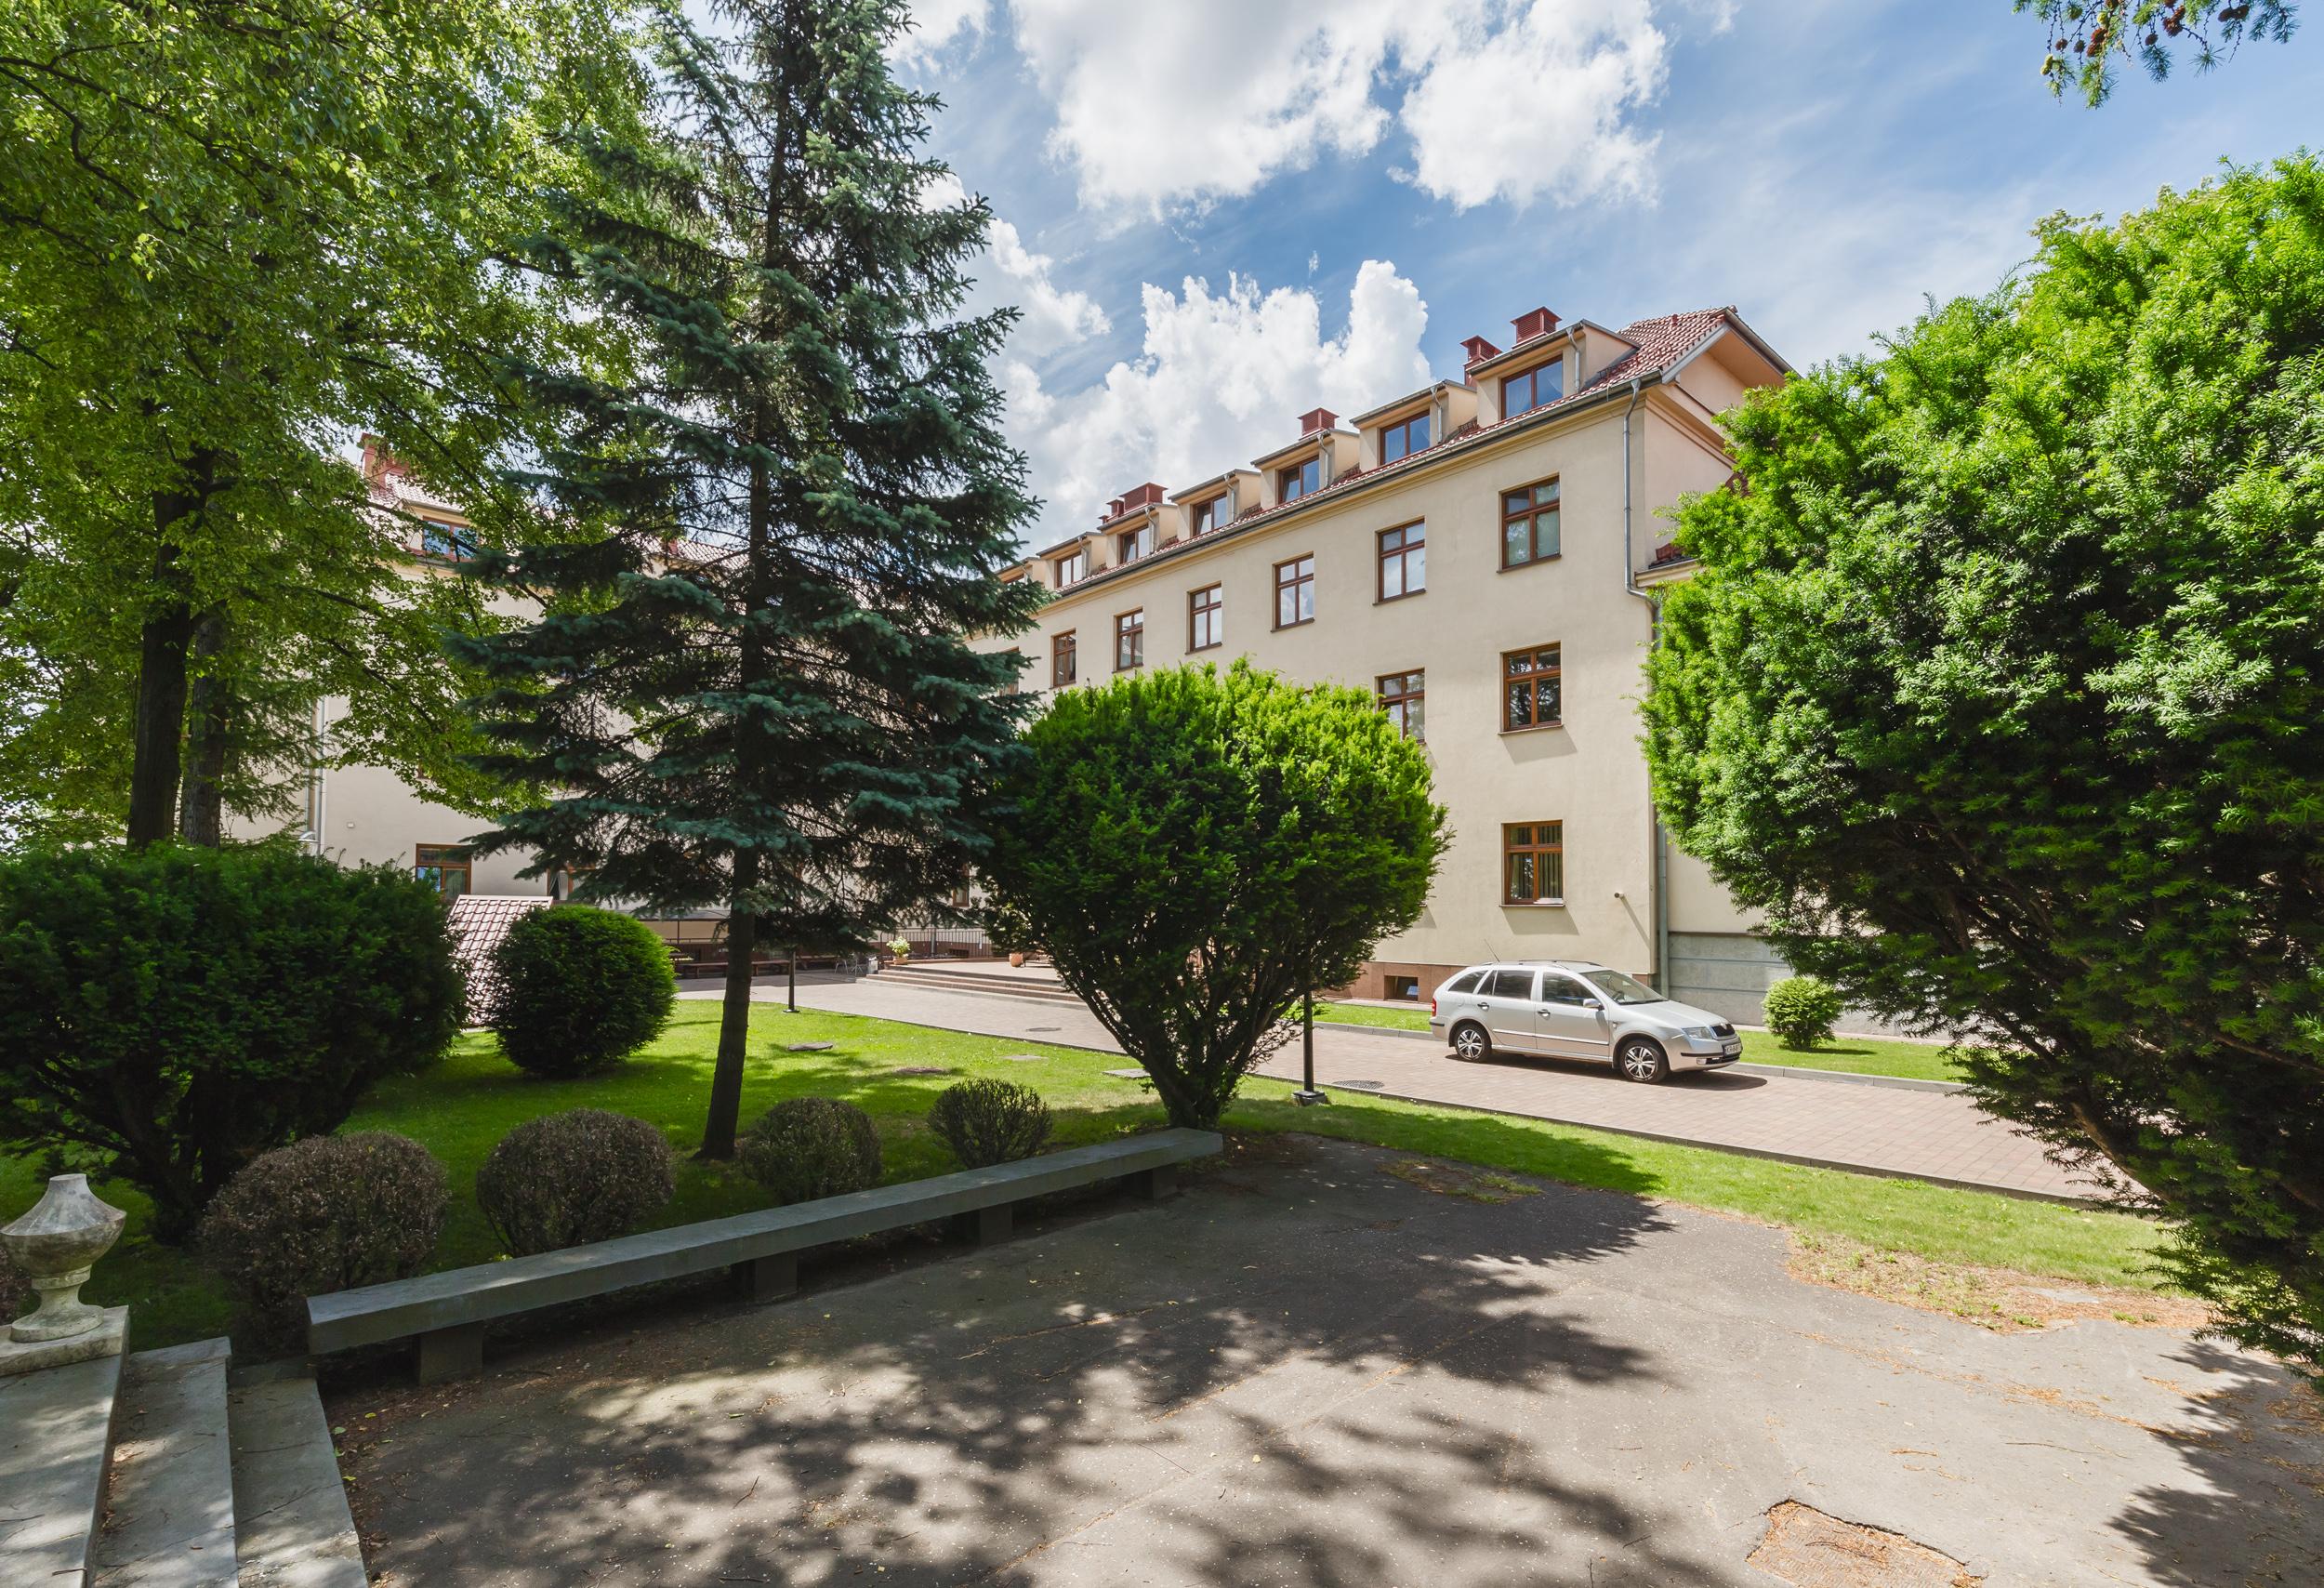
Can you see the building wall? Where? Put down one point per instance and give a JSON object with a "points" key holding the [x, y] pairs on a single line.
{"points": [[1587, 773]]}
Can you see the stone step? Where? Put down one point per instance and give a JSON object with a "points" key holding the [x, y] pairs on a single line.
{"points": [[56, 1423], [290, 1508], [169, 1498], [979, 982]]}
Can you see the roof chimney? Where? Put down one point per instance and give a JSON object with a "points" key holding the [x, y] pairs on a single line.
{"points": [[1479, 350], [1112, 510], [1534, 322], [1144, 495], [1316, 419]]}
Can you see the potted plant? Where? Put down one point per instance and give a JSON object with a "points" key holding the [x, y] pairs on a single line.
{"points": [[900, 949]]}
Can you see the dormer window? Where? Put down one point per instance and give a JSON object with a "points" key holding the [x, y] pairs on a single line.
{"points": [[1133, 543], [443, 541], [1300, 480], [1404, 438], [1213, 515], [1543, 383], [1073, 570]]}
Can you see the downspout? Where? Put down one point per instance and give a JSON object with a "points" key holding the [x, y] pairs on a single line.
{"points": [[1657, 867]]}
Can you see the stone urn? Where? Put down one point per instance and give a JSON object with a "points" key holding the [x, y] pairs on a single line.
{"points": [[67, 1230]]}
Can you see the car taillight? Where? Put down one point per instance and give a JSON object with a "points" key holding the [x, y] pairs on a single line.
{"points": [[1432, 1005]]}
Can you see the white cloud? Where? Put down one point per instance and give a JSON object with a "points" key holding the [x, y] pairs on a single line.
{"points": [[1220, 379], [1054, 317], [937, 24], [1197, 101]]}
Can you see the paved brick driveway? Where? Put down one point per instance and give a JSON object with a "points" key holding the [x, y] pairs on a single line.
{"points": [[1938, 1136]]}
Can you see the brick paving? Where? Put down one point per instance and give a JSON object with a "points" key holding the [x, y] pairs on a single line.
{"points": [[1925, 1135]]}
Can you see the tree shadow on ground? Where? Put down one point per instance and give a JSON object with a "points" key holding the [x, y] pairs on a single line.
{"points": [[1308, 1372], [2252, 1510]]}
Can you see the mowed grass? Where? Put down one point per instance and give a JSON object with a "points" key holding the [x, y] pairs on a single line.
{"points": [[460, 1108], [1857, 1055]]}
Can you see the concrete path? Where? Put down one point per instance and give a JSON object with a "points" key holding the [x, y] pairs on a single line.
{"points": [[1936, 1136], [1314, 1371]]}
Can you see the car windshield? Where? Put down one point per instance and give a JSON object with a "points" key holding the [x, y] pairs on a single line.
{"points": [[1622, 989]]}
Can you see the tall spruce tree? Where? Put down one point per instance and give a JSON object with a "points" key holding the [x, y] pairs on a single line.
{"points": [[751, 687]]}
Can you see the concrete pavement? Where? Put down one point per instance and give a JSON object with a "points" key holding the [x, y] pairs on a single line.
{"points": [[1314, 1370], [1937, 1136]]}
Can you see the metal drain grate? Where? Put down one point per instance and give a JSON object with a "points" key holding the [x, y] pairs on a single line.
{"points": [[1360, 1085], [1809, 1549]]}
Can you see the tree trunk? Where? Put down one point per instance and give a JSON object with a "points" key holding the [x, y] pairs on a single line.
{"points": [[161, 711], [201, 801], [726, 1079]]}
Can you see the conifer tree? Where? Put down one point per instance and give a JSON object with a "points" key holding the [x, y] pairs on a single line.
{"points": [[779, 521]]}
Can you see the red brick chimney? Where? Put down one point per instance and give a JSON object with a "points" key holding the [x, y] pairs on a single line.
{"points": [[1479, 350], [1144, 495], [1112, 510], [1316, 419], [1534, 322]]}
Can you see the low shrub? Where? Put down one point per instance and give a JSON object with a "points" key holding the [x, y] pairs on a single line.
{"points": [[571, 1178], [579, 991], [324, 1214], [806, 1147], [1801, 1011], [171, 1013], [986, 1121]]}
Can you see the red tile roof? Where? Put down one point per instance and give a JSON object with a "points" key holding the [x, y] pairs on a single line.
{"points": [[479, 922]]}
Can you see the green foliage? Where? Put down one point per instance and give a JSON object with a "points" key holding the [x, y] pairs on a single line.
{"points": [[2083, 39], [16, 1290], [2001, 692], [580, 990], [327, 1213], [986, 1121], [173, 1013], [806, 1147], [231, 242], [753, 688], [1801, 1011], [568, 1179], [1197, 849]]}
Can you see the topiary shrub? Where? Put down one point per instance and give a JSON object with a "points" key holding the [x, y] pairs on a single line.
{"points": [[985, 1121], [568, 1179], [324, 1214], [1801, 1011], [172, 1012], [806, 1147], [580, 990]]}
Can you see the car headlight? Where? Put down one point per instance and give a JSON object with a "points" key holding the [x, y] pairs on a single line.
{"points": [[1700, 1033]]}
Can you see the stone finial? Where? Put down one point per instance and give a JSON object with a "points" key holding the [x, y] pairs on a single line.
{"points": [[56, 1243]]}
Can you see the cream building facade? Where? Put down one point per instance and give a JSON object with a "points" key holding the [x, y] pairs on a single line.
{"points": [[1483, 555]]}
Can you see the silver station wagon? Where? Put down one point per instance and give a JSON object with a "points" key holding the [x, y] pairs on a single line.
{"points": [[1571, 1009]]}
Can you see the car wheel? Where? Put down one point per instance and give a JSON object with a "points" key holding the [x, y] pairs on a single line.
{"points": [[1469, 1041], [1640, 1059]]}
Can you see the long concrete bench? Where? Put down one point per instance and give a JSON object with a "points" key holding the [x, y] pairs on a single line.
{"points": [[447, 1312]]}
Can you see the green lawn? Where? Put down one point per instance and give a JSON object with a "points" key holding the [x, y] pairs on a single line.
{"points": [[460, 1108], [1857, 1055]]}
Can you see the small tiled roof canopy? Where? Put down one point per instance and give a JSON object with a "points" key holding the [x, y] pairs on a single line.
{"points": [[479, 922]]}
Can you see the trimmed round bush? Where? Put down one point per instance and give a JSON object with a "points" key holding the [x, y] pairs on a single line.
{"points": [[580, 990], [1801, 1011], [324, 1214], [172, 1012], [571, 1178], [806, 1147], [986, 1121]]}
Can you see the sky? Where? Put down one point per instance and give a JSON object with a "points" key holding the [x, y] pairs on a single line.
{"points": [[1218, 214]]}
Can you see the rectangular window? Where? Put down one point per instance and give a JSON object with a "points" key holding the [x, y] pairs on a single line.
{"points": [[1300, 479], [1402, 561], [1529, 524], [1213, 515], [1404, 438], [1295, 592], [444, 540], [1407, 988], [1129, 640], [1065, 660], [1544, 383], [1531, 696], [445, 866], [1133, 543], [1073, 570], [1533, 863], [1403, 697], [1205, 618], [1516, 985]]}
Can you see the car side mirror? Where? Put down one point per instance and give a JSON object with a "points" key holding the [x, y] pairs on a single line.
{"points": [[1592, 1003]]}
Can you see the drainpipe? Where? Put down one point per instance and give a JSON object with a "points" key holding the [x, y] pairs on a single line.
{"points": [[1656, 846]]}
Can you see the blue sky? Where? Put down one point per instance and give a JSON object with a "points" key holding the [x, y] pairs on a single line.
{"points": [[1217, 213]]}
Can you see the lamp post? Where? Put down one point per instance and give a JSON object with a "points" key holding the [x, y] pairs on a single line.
{"points": [[1307, 1096]]}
